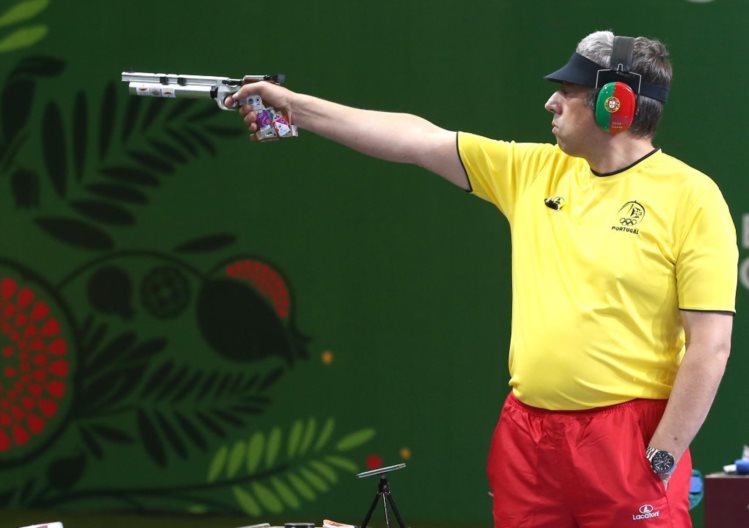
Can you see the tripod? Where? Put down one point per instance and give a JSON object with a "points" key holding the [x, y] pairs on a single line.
{"points": [[383, 492]]}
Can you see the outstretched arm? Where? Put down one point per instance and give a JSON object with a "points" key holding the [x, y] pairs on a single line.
{"points": [[403, 138]]}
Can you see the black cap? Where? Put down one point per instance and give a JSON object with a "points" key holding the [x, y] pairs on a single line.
{"points": [[578, 70], [583, 71]]}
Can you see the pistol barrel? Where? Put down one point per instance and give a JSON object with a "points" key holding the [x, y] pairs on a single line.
{"points": [[174, 85]]}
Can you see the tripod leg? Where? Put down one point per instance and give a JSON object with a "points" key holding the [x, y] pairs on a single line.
{"points": [[371, 510], [395, 511], [385, 507]]}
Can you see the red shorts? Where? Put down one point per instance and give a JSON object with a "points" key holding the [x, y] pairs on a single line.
{"points": [[583, 469]]}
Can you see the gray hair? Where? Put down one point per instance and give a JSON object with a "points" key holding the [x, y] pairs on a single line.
{"points": [[649, 59]]}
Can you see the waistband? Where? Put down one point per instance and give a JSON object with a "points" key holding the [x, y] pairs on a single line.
{"points": [[637, 403]]}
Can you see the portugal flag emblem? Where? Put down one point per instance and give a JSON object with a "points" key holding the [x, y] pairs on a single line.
{"points": [[613, 104]]}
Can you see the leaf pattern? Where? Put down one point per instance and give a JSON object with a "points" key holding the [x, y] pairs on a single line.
{"points": [[90, 442], [112, 372], [200, 405], [54, 148], [22, 11], [112, 434], [151, 439], [80, 134], [206, 243], [274, 485], [23, 38], [106, 119], [103, 212], [155, 140], [76, 233], [354, 439]]}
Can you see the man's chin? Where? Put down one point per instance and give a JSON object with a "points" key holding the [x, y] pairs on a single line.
{"points": [[568, 149]]}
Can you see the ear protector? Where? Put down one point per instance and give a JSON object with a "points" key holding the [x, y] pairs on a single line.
{"points": [[616, 99]]}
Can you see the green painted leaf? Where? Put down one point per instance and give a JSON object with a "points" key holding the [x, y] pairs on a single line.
{"points": [[302, 487], [235, 459], [23, 38], [267, 498], [246, 501], [197, 508], [327, 430], [288, 496], [217, 464], [274, 445], [315, 481], [255, 451], [355, 439], [324, 470], [23, 11], [309, 434], [295, 437], [343, 463]]}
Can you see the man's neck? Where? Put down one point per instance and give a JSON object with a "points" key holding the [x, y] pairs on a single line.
{"points": [[618, 153]]}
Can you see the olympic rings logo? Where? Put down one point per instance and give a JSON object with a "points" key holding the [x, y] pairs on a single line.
{"points": [[631, 213]]}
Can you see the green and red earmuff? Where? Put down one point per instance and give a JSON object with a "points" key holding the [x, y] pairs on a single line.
{"points": [[616, 100], [615, 108]]}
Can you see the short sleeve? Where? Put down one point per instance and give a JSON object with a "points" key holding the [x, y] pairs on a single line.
{"points": [[499, 170], [706, 266]]}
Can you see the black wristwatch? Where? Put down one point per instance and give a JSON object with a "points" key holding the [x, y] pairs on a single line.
{"points": [[661, 462]]}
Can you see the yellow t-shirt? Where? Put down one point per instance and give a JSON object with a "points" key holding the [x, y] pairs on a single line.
{"points": [[601, 266]]}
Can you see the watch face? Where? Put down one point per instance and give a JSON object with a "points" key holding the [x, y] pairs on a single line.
{"points": [[662, 462]]}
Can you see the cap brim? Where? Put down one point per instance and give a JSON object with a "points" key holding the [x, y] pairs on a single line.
{"points": [[578, 70]]}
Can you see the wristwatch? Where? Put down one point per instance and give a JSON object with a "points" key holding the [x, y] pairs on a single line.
{"points": [[661, 462]]}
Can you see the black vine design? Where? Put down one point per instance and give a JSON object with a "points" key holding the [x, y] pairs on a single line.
{"points": [[101, 163], [103, 185], [173, 406]]}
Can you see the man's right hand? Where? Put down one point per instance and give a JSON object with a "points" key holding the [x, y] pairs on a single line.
{"points": [[272, 95]]}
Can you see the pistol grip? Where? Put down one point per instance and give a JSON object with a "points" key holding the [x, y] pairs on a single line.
{"points": [[255, 101]]}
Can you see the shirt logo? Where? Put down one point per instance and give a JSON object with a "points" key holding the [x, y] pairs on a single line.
{"points": [[629, 216], [556, 203], [646, 512]]}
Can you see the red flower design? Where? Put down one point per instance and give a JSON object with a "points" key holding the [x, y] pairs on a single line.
{"points": [[35, 366], [266, 280]]}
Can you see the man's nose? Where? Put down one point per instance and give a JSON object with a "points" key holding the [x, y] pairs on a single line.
{"points": [[552, 105]]}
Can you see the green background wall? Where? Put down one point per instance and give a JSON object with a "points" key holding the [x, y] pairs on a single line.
{"points": [[398, 283]]}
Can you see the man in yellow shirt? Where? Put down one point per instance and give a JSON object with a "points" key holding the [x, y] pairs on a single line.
{"points": [[624, 279]]}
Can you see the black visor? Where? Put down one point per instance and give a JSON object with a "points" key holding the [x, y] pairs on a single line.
{"points": [[583, 71]]}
